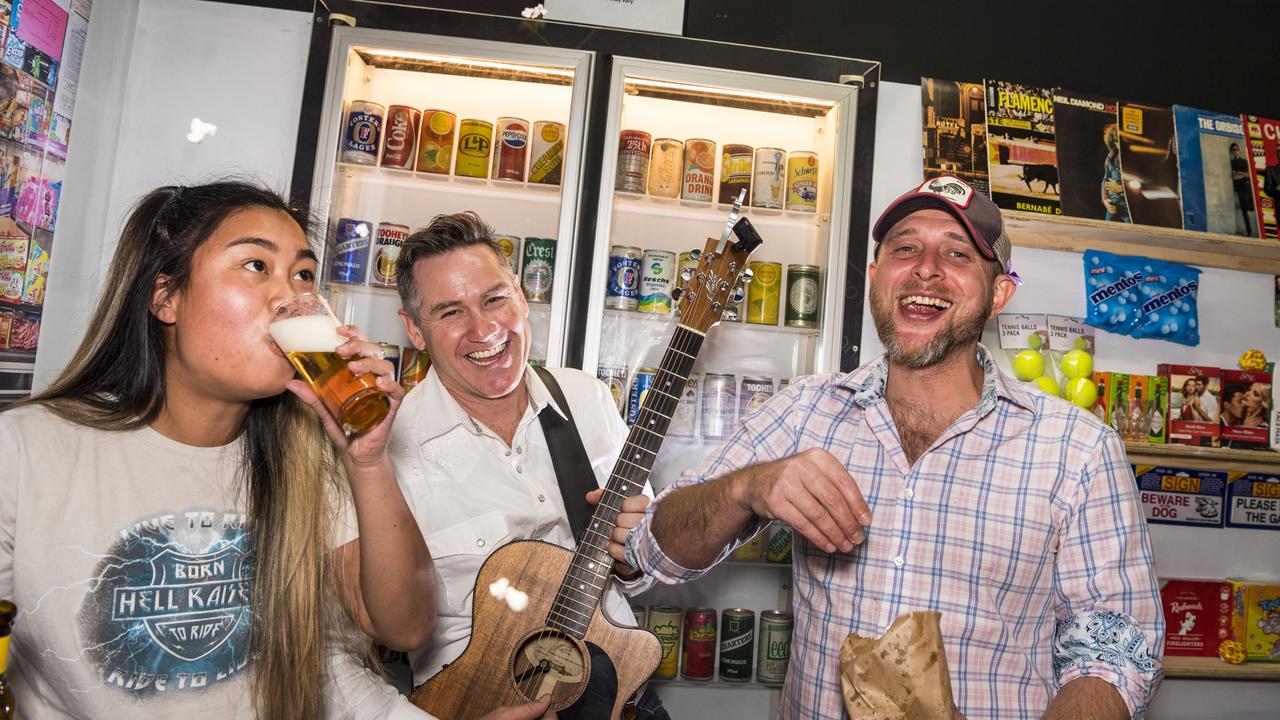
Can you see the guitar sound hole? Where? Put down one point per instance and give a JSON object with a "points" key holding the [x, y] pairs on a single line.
{"points": [[550, 662]]}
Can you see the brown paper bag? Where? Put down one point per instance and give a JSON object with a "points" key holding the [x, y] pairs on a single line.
{"points": [[901, 676]]}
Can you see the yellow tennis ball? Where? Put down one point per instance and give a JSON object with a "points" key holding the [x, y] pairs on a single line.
{"points": [[1049, 385], [1082, 392], [1028, 365], [1077, 364]]}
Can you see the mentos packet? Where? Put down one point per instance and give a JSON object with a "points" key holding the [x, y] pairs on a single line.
{"points": [[1168, 307], [1111, 290]]}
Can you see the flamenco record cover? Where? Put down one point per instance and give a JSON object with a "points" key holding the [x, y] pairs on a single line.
{"points": [[1264, 150], [954, 115], [1023, 157], [1149, 161], [1088, 142], [1214, 172]]}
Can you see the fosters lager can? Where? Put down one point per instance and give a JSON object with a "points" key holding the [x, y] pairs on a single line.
{"points": [[474, 143], [546, 148], [802, 181], [539, 268], [386, 251], [362, 132], [664, 622]]}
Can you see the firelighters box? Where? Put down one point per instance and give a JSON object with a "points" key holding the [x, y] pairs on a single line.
{"points": [[1197, 616], [1246, 409], [1194, 403]]}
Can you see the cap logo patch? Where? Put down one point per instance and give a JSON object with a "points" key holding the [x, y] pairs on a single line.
{"points": [[949, 188]]}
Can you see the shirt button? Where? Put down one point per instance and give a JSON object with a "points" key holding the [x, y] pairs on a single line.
{"points": [[507, 453], [479, 542], [519, 469], [519, 449], [908, 493], [898, 561], [542, 498]]}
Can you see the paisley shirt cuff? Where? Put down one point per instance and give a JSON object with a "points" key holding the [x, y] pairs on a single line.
{"points": [[1110, 646]]}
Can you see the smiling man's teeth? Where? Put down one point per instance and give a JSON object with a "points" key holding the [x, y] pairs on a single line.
{"points": [[486, 354], [922, 300]]}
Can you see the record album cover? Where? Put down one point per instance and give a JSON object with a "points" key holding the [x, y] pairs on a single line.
{"points": [[1149, 163], [1023, 161], [954, 116], [1264, 149], [1088, 143], [1214, 173]]}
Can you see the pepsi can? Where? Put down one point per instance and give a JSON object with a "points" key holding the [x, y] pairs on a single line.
{"points": [[362, 132], [623, 291], [351, 252]]}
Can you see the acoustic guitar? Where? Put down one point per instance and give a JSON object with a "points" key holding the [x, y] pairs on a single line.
{"points": [[515, 657]]}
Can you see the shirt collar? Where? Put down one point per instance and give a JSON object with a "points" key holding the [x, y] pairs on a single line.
{"points": [[868, 384], [435, 412]]}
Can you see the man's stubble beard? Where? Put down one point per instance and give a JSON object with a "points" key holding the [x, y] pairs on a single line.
{"points": [[956, 335]]}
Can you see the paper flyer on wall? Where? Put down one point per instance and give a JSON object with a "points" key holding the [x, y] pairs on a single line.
{"points": [[1149, 163], [1088, 144], [954, 118], [1023, 160], [1214, 172]]}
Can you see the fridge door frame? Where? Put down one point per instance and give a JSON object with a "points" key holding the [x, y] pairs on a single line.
{"points": [[830, 342], [581, 61]]}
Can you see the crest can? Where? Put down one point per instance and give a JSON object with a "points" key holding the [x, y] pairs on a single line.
{"points": [[538, 268], [623, 290], [435, 141], [657, 277], [633, 161], [774, 647], [386, 251], [511, 149], [802, 181], [735, 172], [401, 131], [351, 252], [666, 167], [769, 179], [362, 132], [474, 143], [664, 622], [737, 644], [546, 152], [699, 170], [698, 651]]}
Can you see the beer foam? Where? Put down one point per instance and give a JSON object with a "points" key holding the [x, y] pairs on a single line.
{"points": [[309, 333]]}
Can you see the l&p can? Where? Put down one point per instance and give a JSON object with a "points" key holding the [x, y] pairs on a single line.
{"points": [[664, 622], [802, 296], [774, 644], [401, 131], [735, 172], [764, 292], [435, 141], [737, 636], [511, 148], [546, 152], [657, 277], [802, 181], [699, 170], [633, 161], [666, 167], [538, 268], [386, 251], [698, 651], [351, 252], [623, 289], [361, 134], [769, 179], [475, 139]]}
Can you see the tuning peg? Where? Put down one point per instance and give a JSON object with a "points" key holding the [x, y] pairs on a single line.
{"points": [[723, 286], [747, 275], [676, 294], [737, 295], [686, 274]]}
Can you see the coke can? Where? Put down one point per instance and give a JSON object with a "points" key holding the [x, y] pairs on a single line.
{"points": [[538, 268], [802, 181], [699, 170], [615, 376], [756, 391], [511, 148], [698, 652], [623, 290], [351, 252], [774, 647], [361, 134], [386, 251], [666, 167], [769, 179], [778, 542], [764, 292], [401, 130], [639, 389], [719, 402], [414, 364], [664, 623], [510, 247], [633, 161], [802, 296], [737, 644], [735, 172], [474, 143], [657, 275], [435, 141], [684, 421], [546, 150]]}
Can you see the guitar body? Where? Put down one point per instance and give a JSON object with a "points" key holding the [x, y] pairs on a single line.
{"points": [[515, 657]]}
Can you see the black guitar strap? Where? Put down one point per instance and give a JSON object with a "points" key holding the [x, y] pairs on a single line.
{"points": [[568, 456]]}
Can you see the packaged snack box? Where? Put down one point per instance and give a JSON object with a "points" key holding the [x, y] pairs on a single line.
{"points": [[1197, 616], [1262, 622]]}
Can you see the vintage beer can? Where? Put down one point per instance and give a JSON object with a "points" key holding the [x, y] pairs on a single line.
{"points": [[510, 149], [666, 167], [699, 180], [764, 292], [664, 622], [401, 131], [538, 269], [755, 392], [362, 132], [684, 421], [639, 388], [737, 644], [752, 549], [414, 364], [475, 139], [698, 651], [719, 405], [802, 296], [735, 172], [510, 247], [623, 289], [351, 252], [615, 376], [435, 141], [774, 645], [386, 251], [657, 277], [546, 152], [802, 181], [778, 541], [769, 179], [633, 161]]}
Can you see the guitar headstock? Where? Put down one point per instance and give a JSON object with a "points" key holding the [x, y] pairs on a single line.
{"points": [[711, 287]]}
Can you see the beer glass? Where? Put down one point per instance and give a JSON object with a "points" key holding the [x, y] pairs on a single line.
{"points": [[306, 330]]}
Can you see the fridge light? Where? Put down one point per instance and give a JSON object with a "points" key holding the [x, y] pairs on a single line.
{"points": [[811, 105], [462, 62]]}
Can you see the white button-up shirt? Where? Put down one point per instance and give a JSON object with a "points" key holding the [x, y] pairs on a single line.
{"points": [[472, 493]]}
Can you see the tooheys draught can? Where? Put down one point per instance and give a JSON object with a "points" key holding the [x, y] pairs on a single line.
{"points": [[769, 181], [698, 651], [474, 142], [737, 644], [622, 291], [802, 296], [802, 181], [386, 251], [684, 421], [756, 391], [546, 152], [664, 622], [735, 172], [401, 131], [657, 275], [639, 389], [764, 292], [615, 376], [510, 247], [666, 167], [362, 132], [719, 403], [510, 149], [774, 645], [699, 180], [414, 364], [351, 252], [538, 269], [633, 161], [435, 141]]}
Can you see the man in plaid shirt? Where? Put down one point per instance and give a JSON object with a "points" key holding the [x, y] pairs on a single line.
{"points": [[1013, 513]]}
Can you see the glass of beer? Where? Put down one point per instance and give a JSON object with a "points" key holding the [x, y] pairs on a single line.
{"points": [[306, 330]]}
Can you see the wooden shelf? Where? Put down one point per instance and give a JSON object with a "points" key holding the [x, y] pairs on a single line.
{"points": [[1230, 252], [1211, 668], [1203, 458]]}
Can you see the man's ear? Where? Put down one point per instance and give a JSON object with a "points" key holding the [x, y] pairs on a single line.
{"points": [[1001, 293], [164, 302], [411, 329]]}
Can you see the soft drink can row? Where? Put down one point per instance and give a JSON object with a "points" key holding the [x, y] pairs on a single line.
{"points": [[698, 653]]}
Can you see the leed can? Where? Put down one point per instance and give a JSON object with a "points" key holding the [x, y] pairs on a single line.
{"points": [[699, 170], [475, 139], [664, 622], [615, 376], [769, 179], [802, 296], [414, 364], [719, 403], [639, 389], [351, 252], [774, 646], [623, 289], [633, 161], [546, 152], [435, 141], [386, 251], [510, 149], [778, 541], [657, 277], [698, 651], [735, 172], [764, 292], [802, 181], [737, 644], [362, 132], [755, 392], [666, 167], [510, 247], [401, 131], [538, 268], [684, 421]]}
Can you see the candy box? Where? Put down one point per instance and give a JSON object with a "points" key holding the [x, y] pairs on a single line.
{"points": [[1197, 616], [1194, 393], [1261, 612], [1246, 409]]}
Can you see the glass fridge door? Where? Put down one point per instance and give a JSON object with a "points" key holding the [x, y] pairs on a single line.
{"points": [[417, 125], [685, 141]]}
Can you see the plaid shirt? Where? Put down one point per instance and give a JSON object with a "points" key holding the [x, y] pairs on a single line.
{"points": [[1020, 524]]}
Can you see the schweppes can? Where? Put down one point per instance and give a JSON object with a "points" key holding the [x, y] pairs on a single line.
{"points": [[802, 181], [386, 251], [546, 148], [664, 622], [475, 140]]}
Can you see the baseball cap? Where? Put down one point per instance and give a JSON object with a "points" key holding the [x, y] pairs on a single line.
{"points": [[980, 217]]}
